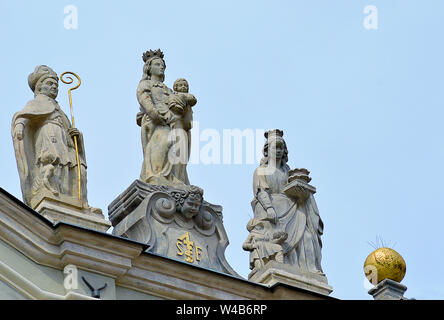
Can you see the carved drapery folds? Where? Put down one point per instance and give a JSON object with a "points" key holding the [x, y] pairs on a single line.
{"points": [[284, 238], [46, 155]]}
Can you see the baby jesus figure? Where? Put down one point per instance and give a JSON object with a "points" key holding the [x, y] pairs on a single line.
{"points": [[179, 106], [181, 99]]}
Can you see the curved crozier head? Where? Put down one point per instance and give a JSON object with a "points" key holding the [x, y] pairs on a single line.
{"points": [[275, 147], [154, 65], [44, 81]]}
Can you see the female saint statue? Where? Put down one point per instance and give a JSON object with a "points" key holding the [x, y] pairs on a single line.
{"points": [[165, 125], [295, 217]]}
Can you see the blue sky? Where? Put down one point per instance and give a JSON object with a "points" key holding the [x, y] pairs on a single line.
{"points": [[361, 109]]}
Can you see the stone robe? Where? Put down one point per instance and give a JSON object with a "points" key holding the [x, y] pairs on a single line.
{"points": [[157, 121], [302, 223], [47, 145]]}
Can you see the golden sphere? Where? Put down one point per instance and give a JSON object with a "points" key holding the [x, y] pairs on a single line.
{"points": [[384, 263]]}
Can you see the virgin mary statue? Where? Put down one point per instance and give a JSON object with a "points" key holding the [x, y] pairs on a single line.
{"points": [[165, 133]]}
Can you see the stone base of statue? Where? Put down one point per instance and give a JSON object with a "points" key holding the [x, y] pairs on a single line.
{"points": [[173, 222], [388, 290], [274, 272], [68, 210]]}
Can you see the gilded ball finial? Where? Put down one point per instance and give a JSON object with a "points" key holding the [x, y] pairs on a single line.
{"points": [[384, 263]]}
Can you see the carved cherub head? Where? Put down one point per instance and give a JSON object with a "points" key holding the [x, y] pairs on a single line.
{"points": [[193, 200], [181, 85], [44, 81]]}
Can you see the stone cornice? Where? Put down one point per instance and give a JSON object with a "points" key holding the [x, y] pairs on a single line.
{"points": [[122, 259], [61, 244]]}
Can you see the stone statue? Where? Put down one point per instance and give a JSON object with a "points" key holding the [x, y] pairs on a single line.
{"points": [[180, 105], [45, 152], [161, 208], [285, 233], [165, 119], [264, 244]]}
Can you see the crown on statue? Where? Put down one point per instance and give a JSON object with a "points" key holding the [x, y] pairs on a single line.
{"points": [[152, 54], [275, 132]]}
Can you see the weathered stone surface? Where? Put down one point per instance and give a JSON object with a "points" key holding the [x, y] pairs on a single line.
{"points": [[45, 151], [285, 233], [165, 119], [71, 212], [274, 272], [388, 290], [175, 223], [35, 254]]}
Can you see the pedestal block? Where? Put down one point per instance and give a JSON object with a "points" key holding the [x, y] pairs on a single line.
{"points": [[176, 223]]}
